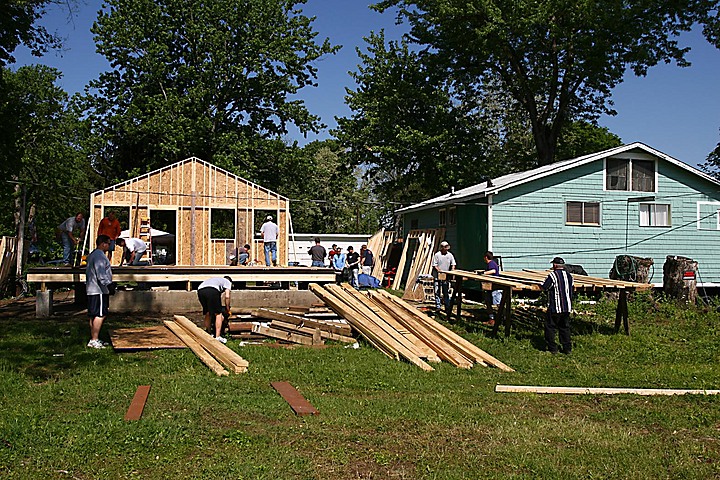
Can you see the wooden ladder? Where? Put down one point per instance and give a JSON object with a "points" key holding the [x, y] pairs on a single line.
{"points": [[145, 234]]}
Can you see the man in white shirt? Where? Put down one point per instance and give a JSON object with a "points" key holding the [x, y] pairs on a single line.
{"points": [[134, 247], [211, 294], [270, 232], [443, 261]]}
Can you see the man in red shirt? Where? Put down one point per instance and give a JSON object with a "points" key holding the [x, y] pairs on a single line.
{"points": [[110, 226]]}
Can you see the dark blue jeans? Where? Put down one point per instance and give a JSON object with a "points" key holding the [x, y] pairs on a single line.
{"points": [[442, 293], [561, 322]]}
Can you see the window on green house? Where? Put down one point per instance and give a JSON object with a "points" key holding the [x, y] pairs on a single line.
{"points": [[582, 213], [414, 224], [654, 215], [442, 221], [630, 175], [452, 216]]}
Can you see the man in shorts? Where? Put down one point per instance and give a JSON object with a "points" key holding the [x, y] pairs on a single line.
{"points": [[98, 278], [211, 294]]}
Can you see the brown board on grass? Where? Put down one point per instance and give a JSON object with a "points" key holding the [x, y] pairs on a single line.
{"points": [[297, 402], [138, 403], [144, 338]]}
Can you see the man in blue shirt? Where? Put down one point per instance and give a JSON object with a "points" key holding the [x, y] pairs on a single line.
{"points": [[496, 295], [559, 287]]}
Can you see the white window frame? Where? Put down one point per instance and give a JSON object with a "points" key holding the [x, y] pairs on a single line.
{"points": [[699, 215], [629, 159], [583, 223], [652, 213]]}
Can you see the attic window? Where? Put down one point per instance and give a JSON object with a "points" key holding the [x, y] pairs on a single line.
{"points": [[630, 175], [582, 213]]}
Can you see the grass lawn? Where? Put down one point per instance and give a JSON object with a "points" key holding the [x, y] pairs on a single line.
{"points": [[62, 406]]}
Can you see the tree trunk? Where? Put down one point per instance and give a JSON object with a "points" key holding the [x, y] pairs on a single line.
{"points": [[675, 284], [631, 269]]}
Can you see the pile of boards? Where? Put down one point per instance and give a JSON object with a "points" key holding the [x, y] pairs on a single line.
{"points": [[212, 353], [291, 326], [399, 330], [420, 246]]}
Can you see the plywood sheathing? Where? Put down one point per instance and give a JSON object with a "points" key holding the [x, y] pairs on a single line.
{"points": [[421, 255], [193, 187]]}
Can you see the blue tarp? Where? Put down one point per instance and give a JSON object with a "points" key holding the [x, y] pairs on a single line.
{"points": [[368, 281]]}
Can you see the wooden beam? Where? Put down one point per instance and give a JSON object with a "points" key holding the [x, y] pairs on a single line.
{"points": [[291, 327], [197, 349], [600, 391], [283, 335], [296, 401], [270, 314], [138, 403], [224, 354]]}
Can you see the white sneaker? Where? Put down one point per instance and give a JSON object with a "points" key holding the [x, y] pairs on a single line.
{"points": [[95, 344], [221, 339]]}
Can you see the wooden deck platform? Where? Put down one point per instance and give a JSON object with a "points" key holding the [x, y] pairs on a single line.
{"points": [[163, 274]]}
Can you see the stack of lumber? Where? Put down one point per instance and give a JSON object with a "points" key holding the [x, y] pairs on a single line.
{"points": [[212, 353], [399, 330], [420, 246], [380, 244], [8, 261], [288, 327]]}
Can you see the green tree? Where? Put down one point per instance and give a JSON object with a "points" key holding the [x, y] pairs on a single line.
{"points": [[18, 27], [712, 33], [328, 193], [409, 134], [558, 59], [40, 151], [210, 79]]}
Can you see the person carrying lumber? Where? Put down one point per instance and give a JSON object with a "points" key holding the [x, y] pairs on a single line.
{"points": [[98, 283], [443, 261], [559, 287], [211, 294]]}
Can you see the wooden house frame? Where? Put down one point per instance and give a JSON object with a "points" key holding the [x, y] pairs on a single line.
{"points": [[193, 188]]}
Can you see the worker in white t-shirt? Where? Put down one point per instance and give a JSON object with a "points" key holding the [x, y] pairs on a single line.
{"points": [[134, 249]]}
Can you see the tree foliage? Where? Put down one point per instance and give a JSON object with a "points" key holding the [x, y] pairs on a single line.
{"points": [[558, 59], [39, 150], [18, 27], [406, 131], [210, 79]]}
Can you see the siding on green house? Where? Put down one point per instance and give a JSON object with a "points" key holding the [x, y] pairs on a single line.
{"points": [[529, 222], [467, 238]]}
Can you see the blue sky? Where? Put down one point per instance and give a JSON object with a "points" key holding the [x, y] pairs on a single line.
{"points": [[675, 110]]}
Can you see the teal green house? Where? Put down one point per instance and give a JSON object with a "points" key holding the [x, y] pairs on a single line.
{"points": [[631, 200]]}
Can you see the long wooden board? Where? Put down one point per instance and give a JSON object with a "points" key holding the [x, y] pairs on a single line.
{"points": [[197, 349], [600, 391], [138, 403], [283, 335], [339, 329], [222, 353], [297, 402]]}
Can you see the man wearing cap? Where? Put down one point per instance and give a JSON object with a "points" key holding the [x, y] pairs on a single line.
{"points": [[353, 263], [270, 231], [559, 287], [443, 261], [366, 260]]}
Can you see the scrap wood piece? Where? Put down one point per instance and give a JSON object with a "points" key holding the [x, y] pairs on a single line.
{"points": [[197, 349], [467, 348], [297, 402], [283, 335], [138, 403], [222, 353], [600, 390], [284, 317], [352, 317], [146, 338], [443, 348], [236, 327], [364, 319], [291, 327], [422, 349]]}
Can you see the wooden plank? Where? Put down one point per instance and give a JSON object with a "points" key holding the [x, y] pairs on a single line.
{"points": [[291, 327], [600, 391], [234, 362], [138, 403], [237, 327], [197, 349], [296, 401], [145, 338], [443, 349], [338, 329], [493, 279], [465, 347], [283, 335]]}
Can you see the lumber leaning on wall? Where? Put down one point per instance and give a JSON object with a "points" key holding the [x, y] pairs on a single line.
{"points": [[600, 391]]}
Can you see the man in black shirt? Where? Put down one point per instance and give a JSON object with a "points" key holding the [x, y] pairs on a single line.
{"points": [[353, 263]]}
